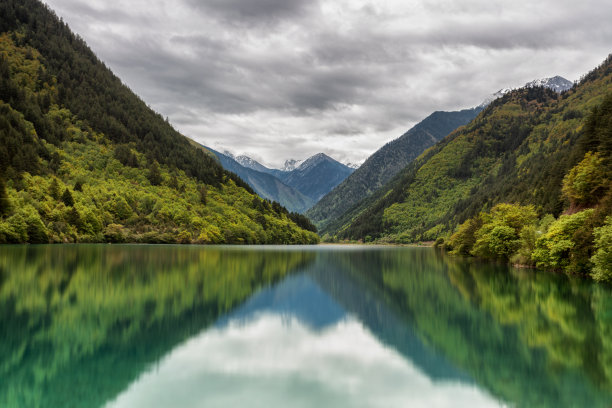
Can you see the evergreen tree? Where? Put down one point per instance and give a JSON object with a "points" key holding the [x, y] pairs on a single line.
{"points": [[154, 175], [54, 189], [203, 195], [67, 198]]}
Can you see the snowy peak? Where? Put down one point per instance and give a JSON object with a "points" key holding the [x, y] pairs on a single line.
{"points": [[556, 83], [247, 162], [291, 165], [494, 96]]}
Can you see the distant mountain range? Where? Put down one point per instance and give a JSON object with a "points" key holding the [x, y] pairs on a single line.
{"points": [[297, 186], [265, 184]]}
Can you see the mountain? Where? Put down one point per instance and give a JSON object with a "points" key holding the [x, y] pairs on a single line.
{"points": [[385, 163], [291, 165], [299, 184], [528, 180], [84, 159], [265, 184], [249, 163], [556, 83], [316, 176]]}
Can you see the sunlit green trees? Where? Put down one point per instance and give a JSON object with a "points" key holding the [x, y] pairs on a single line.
{"points": [[587, 182], [602, 260]]}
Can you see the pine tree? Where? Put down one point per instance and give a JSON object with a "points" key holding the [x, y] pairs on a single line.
{"points": [[54, 189], [67, 198], [155, 176]]}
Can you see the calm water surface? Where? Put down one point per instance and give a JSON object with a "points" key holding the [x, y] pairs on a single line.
{"points": [[186, 326]]}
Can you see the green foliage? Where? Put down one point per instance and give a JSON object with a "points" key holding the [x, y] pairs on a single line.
{"points": [[554, 248], [54, 190], [5, 204], [462, 241], [517, 150], [154, 175], [587, 182], [53, 138], [125, 156], [500, 235], [384, 164], [602, 260], [67, 198]]}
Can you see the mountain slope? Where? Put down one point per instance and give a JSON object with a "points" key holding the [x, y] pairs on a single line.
{"points": [[265, 185], [518, 150], [316, 176], [84, 159], [385, 163]]}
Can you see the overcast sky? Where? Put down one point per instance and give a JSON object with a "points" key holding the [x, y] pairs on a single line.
{"points": [[279, 79]]}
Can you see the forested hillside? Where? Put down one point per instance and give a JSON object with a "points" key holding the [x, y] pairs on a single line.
{"points": [[82, 158], [385, 163], [542, 153]]}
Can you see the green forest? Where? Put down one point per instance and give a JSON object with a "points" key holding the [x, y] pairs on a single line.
{"points": [[83, 159], [527, 181]]}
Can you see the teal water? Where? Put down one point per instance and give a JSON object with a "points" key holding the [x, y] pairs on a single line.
{"points": [[188, 326]]}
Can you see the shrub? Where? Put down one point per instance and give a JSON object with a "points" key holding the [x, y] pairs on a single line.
{"points": [[602, 260]]}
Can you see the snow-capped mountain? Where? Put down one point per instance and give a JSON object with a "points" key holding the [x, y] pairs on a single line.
{"points": [[291, 165], [353, 166], [494, 96], [556, 83], [249, 163]]}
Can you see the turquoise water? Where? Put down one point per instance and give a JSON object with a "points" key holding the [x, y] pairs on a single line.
{"points": [[188, 326]]}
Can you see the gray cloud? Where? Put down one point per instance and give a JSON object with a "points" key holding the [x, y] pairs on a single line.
{"points": [[289, 78], [253, 11]]}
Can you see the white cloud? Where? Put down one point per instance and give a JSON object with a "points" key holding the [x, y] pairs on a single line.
{"points": [[279, 79], [274, 361]]}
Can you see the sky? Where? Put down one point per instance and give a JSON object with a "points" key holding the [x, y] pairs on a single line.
{"points": [[280, 79]]}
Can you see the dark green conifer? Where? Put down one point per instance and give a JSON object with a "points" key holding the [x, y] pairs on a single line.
{"points": [[67, 198], [54, 189], [155, 177]]}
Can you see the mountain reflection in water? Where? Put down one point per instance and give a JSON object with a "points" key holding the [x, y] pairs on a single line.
{"points": [[157, 326]]}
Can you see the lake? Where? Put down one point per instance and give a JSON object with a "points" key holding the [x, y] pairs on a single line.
{"points": [[325, 326]]}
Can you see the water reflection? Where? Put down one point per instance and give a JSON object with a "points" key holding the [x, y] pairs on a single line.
{"points": [[117, 326]]}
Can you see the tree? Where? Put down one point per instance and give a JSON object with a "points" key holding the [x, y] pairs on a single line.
{"points": [[586, 183], [5, 204], [154, 176], [602, 260], [203, 195], [54, 190], [67, 198]]}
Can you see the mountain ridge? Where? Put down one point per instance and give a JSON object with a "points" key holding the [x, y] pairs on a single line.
{"points": [[383, 164]]}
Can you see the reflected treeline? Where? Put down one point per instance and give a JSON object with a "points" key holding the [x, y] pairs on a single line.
{"points": [[79, 323], [531, 339]]}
